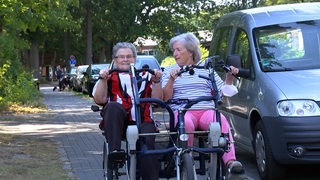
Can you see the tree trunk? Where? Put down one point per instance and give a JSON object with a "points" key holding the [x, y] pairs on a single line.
{"points": [[102, 55], [89, 33], [108, 52], [42, 59], [34, 59], [66, 45], [25, 56]]}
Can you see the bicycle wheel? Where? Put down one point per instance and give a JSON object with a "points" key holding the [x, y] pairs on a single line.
{"points": [[215, 170], [108, 173], [187, 171]]}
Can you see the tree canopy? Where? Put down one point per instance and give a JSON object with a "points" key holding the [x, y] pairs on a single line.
{"points": [[39, 33]]}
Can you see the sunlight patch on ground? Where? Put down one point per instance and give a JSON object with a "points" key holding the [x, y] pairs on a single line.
{"points": [[38, 129]]}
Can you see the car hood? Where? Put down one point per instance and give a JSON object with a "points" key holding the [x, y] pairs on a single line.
{"points": [[302, 84]]}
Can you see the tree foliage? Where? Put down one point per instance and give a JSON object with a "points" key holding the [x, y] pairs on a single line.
{"points": [[16, 85], [169, 60], [38, 33]]}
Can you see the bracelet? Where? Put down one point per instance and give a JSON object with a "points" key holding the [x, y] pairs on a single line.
{"points": [[156, 81]]}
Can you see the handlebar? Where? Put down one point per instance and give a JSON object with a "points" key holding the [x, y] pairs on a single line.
{"points": [[190, 102], [151, 71], [162, 104], [190, 68]]}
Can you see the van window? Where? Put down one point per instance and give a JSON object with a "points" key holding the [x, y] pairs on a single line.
{"points": [[242, 48], [290, 46], [220, 47]]}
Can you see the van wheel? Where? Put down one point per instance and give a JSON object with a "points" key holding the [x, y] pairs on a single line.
{"points": [[268, 168]]}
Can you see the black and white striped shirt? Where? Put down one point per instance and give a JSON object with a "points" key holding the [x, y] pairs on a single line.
{"points": [[188, 86]]}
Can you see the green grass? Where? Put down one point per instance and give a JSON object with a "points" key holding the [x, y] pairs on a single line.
{"points": [[25, 157]]}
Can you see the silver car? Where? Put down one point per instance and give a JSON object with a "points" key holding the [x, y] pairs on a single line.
{"points": [[276, 113], [144, 60], [77, 80]]}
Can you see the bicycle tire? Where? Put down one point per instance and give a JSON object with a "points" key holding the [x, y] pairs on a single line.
{"points": [[108, 173], [187, 171], [215, 170]]}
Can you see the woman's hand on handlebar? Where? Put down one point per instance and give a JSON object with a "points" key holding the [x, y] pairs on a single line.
{"points": [[157, 75], [232, 72], [104, 73], [175, 73]]}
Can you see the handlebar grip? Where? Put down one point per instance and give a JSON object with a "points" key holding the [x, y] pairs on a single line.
{"points": [[228, 69]]}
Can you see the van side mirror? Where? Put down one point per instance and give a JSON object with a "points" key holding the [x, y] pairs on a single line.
{"points": [[235, 60]]}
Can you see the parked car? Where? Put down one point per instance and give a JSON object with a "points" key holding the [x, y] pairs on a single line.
{"points": [[71, 75], [276, 114], [143, 60], [91, 76], [77, 81]]}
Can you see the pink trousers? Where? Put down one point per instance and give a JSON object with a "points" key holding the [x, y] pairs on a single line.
{"points": [[200, 120]]}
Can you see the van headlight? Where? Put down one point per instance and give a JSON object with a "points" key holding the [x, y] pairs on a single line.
{"points": [[298, 108]]}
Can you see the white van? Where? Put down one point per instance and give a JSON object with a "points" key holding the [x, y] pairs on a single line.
{"points": [[276, 113]]}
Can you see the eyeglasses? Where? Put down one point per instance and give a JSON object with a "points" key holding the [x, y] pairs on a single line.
{"points": [[122, 57]]}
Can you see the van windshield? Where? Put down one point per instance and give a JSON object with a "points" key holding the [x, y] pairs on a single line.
{"points": [[290, 46]]}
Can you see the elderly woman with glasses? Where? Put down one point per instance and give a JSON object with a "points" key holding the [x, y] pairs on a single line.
{"points": [[114, 91]]}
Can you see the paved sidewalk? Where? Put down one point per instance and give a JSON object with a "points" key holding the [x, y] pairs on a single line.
{"points": [[79, 137]]}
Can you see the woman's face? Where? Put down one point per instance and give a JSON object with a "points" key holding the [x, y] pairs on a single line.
{"points": [[181, 55], [124, 58]]}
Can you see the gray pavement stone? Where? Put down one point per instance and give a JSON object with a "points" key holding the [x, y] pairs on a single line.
{"points": [[80, 141]]}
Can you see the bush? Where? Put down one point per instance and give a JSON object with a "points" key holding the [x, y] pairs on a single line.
{"points": [[168, 61], [16, 85]]}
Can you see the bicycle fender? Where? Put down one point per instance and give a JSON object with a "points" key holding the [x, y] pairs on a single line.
{"points": [[214, 134]]}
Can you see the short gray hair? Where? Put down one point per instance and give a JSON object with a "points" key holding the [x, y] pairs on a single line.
{"points": [[121, 45], [190, 42]]}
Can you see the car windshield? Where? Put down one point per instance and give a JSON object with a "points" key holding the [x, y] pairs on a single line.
{"points": [[142, 61], [290, 46], [97, 67], [152, 64], [73, 71], [82, 69]]}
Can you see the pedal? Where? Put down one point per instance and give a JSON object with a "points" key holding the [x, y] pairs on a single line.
{"points": [[116, 159]]}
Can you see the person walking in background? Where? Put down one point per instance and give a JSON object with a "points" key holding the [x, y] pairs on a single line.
{"points": [[186, 51], [58, 73]]}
